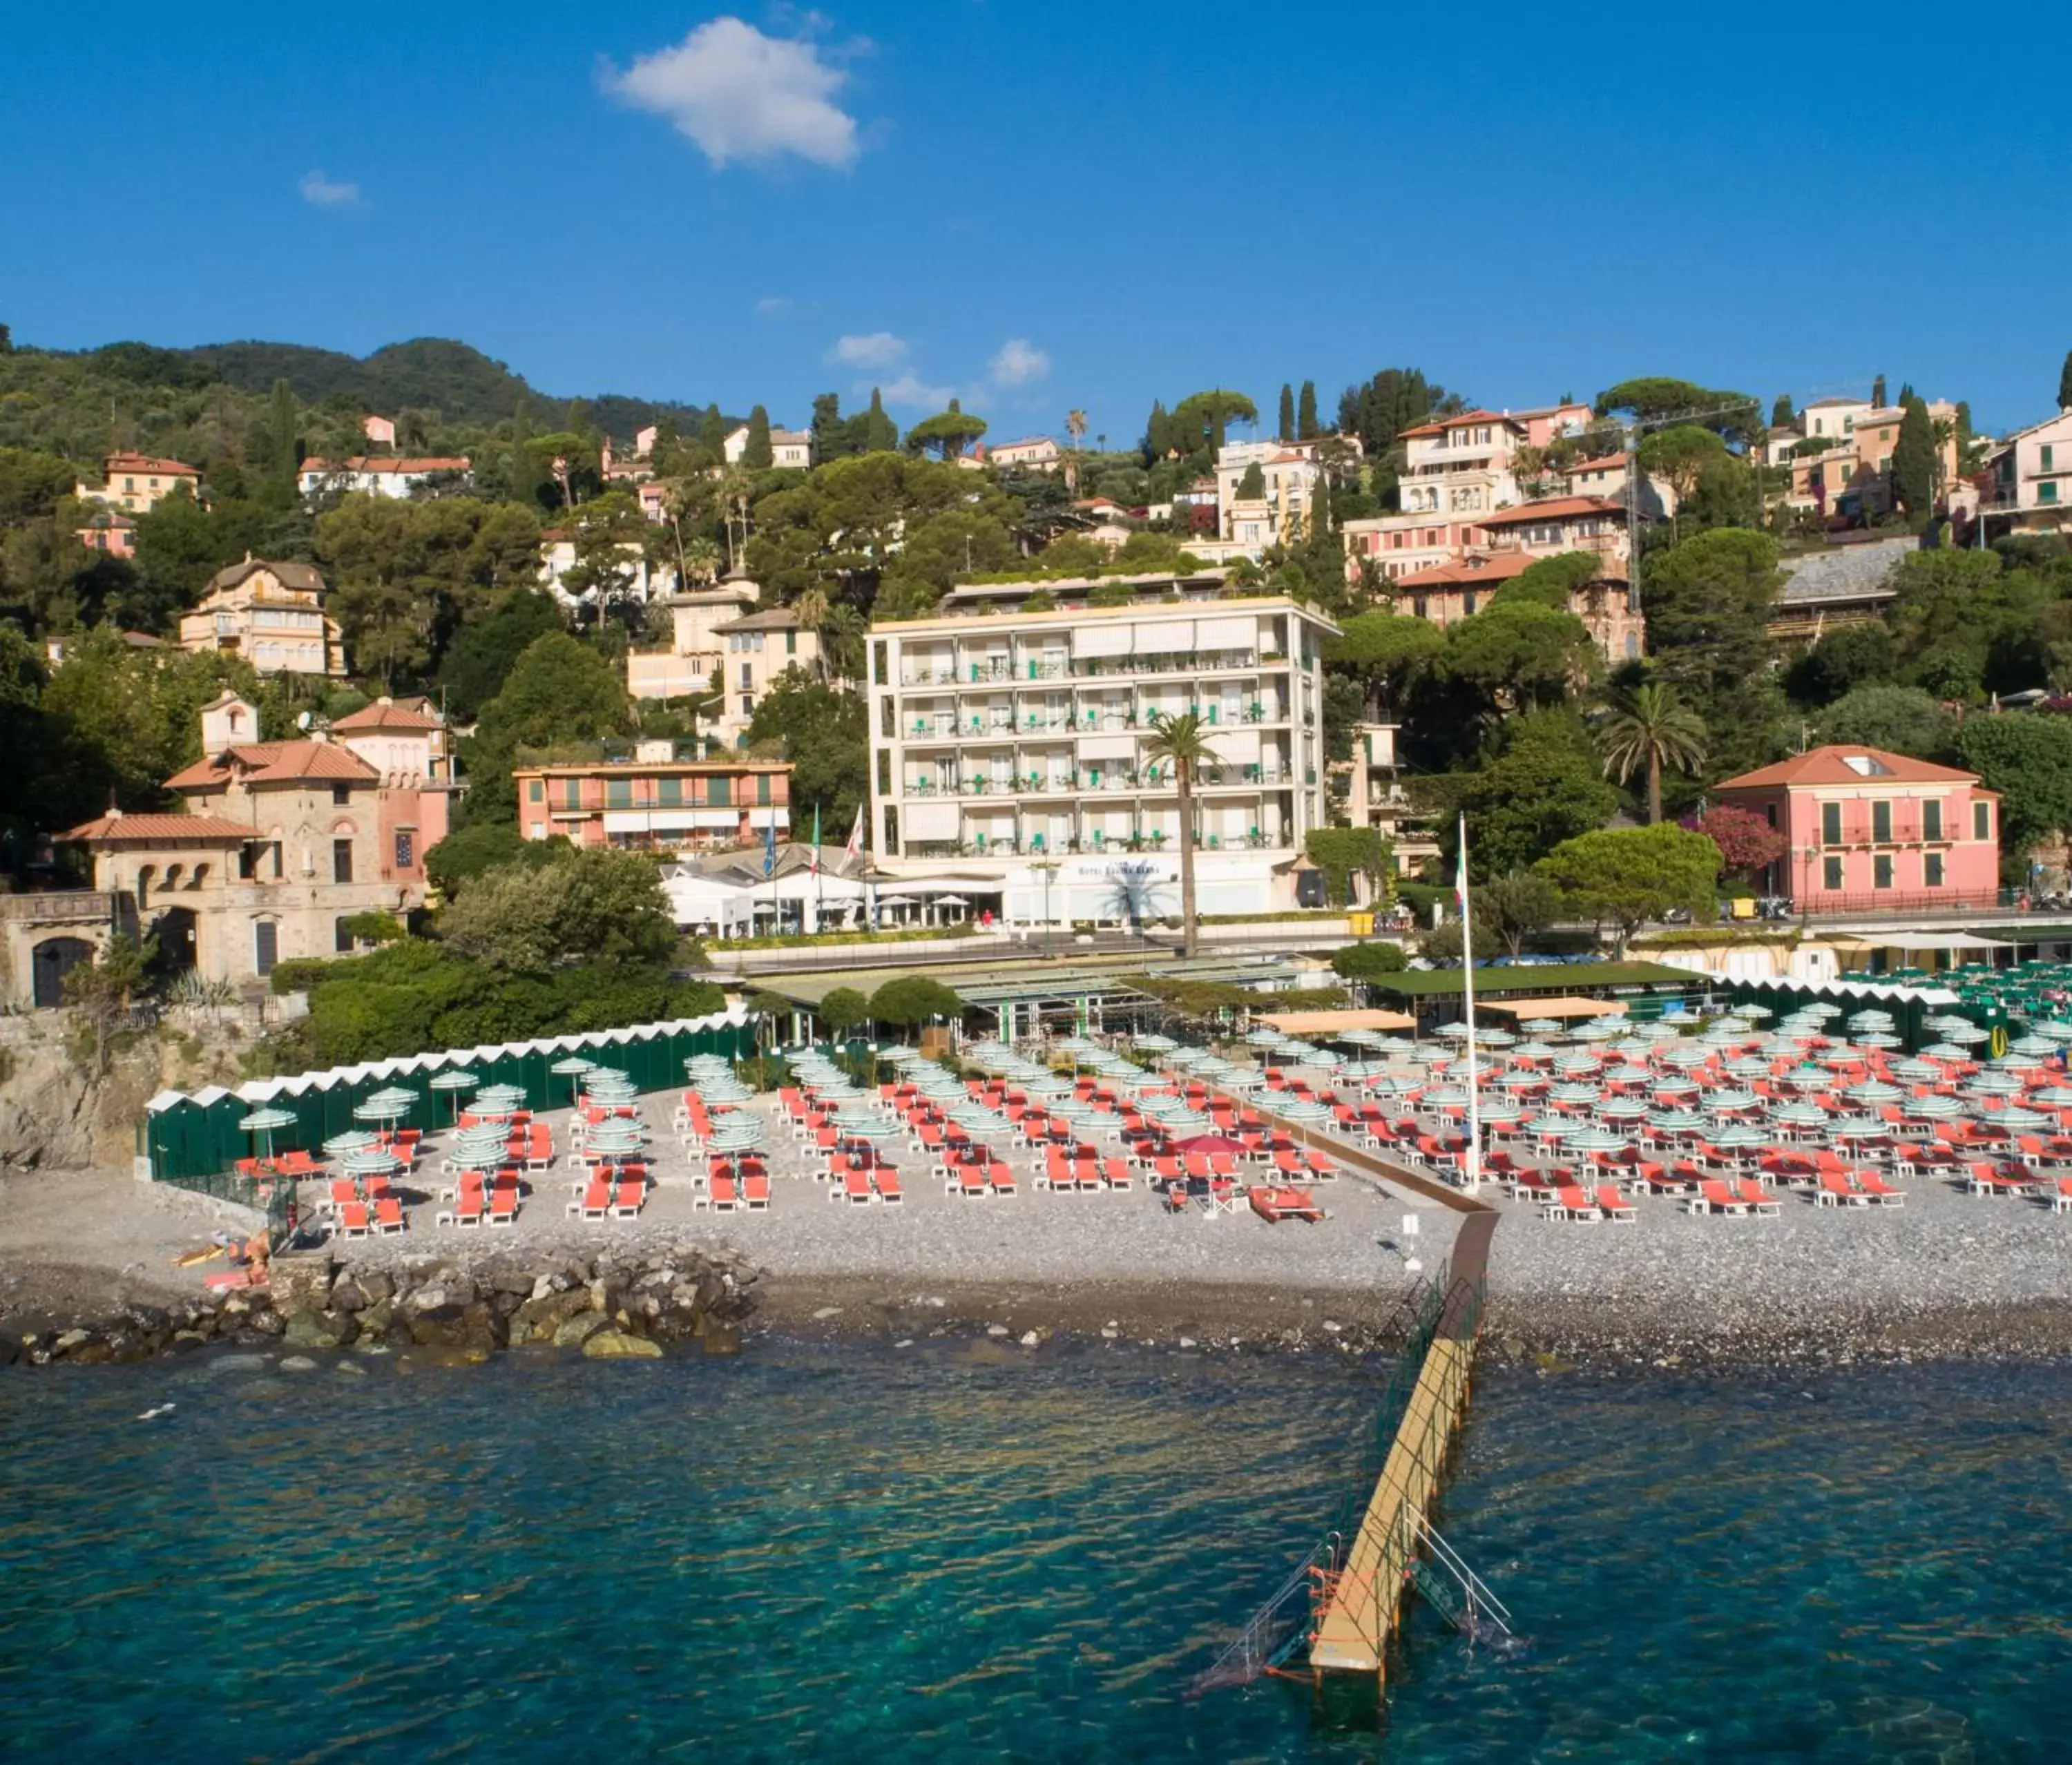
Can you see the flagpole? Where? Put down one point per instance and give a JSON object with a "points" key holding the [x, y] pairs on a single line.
{"points": [[1474, 1168], [820, 889]]}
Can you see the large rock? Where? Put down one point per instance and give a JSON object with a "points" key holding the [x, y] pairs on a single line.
{"points": [[311, 1330], [619, 1345], [300, 1281], [578, 1330], [537, 1319]]}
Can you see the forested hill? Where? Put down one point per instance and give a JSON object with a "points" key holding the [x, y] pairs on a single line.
{"points": [[458, 381]]}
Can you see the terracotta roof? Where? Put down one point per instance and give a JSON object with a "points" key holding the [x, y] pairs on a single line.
{"points": [[1829, 765], [1441, 425], [1552, 508], [306, 576], [388, 714], [1468, 572], [365, 462], [274, 763], [148, 462], [115, 825], [1604, 463]]}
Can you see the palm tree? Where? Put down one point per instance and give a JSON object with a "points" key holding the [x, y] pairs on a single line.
{"points": [[1182, 740], [811, 610], [1650, 727], [1075, 427], [700, 560]]}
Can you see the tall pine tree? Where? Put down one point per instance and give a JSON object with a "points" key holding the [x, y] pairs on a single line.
{"points": [[712, 432], [2065, 383], [1287, 412], [832, 435], [1305, 413], [876, 431], [1913, 459]]}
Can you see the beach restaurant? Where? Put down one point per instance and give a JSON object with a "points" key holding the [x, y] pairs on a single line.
{"points": [[1644, 991]]}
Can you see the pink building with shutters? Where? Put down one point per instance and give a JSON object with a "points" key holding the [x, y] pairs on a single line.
{"points": [[1875, 832]]}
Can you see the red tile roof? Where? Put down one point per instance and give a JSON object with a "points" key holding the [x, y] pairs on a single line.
{"points": [[148, 462], [366, 463], [388, 715], [1552, 508], [1607, 462], [1445, 423], [115, 826], [274, 763], [1829, 765], [1469, 572]]}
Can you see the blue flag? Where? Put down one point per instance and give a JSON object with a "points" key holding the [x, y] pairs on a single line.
{"points": [[769, 844]]}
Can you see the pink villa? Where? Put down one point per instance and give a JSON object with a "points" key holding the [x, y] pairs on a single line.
{"points": [[1875, 832]]}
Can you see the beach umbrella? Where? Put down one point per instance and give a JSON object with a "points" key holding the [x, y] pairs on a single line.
{"points": [[1755, 1014], [1965, 1031], [2052, 1096], [1946, 1051], [1369, 1039], [738, 1132], [1443, 1097], [1588, 1138], [1740, 1134], [1870, 1020], [1534, 1051], [1994, 1081], [1553, 1128], [352, 1141], [476, 1158], [1858, 1127], [1622, 1109], [1676, 1121], [2015, 1116], [1155, 1045], [1268, 1037], [1683, 1054], [1497, 1109], [1244, 1082], [1931, 1108], [1747, 1068], [1495, 1038], [1521, 1081], [1729, 1098], [977, 1118], [1576, 1063], [1304, 1109], [1396, 1045], [370, 1161], [1456, 1031], [1574, 1094], [2032, 1044], [378, 1108], [1874, 1090], [1599, 1029], [265, 1123], [454, 1080], [1631, 1047], [1675, 1087], [571, 1067], [1800, 1114]]}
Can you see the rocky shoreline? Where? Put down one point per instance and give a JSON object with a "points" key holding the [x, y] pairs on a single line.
{"points": [[621, 1304], [639, 1301]]}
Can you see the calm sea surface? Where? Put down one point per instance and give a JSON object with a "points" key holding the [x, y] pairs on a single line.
{"points": [[969, 1552]]}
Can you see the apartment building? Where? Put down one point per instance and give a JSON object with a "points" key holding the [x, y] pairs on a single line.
{"points": [[1451, 592], [789, 449], [137, 483], [1457, 470], [1875, 832], [1033, 454], [1015, 740], [655, 801], [1371, 786], [1288, 471], [2031, 477], [271, 615], [1850, 472]]}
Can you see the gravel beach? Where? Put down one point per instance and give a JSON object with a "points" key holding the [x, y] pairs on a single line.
{"points": [[1948, 1274]]}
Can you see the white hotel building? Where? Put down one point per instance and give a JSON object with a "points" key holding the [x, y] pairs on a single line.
{"points": [[1010, 745]]}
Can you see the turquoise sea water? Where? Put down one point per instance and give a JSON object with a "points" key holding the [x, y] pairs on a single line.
{"points": [[967, 1552]]}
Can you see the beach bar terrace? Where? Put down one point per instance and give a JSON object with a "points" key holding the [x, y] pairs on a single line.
{"points": [[1644, 991]]}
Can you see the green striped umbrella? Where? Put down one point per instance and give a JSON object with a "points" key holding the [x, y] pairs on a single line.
{"points": [[264, 1122]]}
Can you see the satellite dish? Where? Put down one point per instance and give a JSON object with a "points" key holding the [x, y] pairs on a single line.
{"points": [[301, 720]]}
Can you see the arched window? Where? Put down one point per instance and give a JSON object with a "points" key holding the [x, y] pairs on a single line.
{"points": [[144, 873]]}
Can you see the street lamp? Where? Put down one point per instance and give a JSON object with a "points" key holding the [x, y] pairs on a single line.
{"points": [[1046, 869]]}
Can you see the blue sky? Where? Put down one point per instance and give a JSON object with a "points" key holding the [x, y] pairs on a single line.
{"points": [[1039, 207]]}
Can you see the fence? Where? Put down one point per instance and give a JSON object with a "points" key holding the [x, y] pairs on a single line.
{"points": [[195, 1136]]}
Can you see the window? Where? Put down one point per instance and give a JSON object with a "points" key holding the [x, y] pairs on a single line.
{"points": [[1831, 824], [669, 793], [1468, 603], [1769, 813], [790, 643], [265, 947], [341, 936], [1831, 873], [1881, 870], [1420, 606], [762, 788], [748, 704], [341, 860], [1881, 823], [2047, 491], [2047, 463], [1931, 870], [572, 793], [341, 794], [719, 791], [619, 793], [1982, 821], [536, 790], [1931, 819], [884, 772], [878, 662], [406, 847]]}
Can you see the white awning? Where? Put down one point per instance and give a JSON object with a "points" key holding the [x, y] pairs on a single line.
{"points": [[929, 821], [1112, 747], [715, 818], [1227, 634], [1235, 747], [1110, 638], [1166, 636], [625, 821]]}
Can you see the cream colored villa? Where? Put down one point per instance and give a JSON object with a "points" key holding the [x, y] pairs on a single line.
{"points": [[1015, 740]]}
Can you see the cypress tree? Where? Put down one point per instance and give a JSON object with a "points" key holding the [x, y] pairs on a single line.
{"points": [[880, 434], [1913, 459], [2065, 383], [1157, 433], [1305, 417], [281, 426], [1781, 415], [712, 432], [1877, 393], [758, 456], [1287, 412], [831, 435]]}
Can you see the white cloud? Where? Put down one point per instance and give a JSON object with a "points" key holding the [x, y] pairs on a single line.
{"points": [[771, 305], [320, 192], [910, 390], [873, 349], [742, 96], [1018, 362]]}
